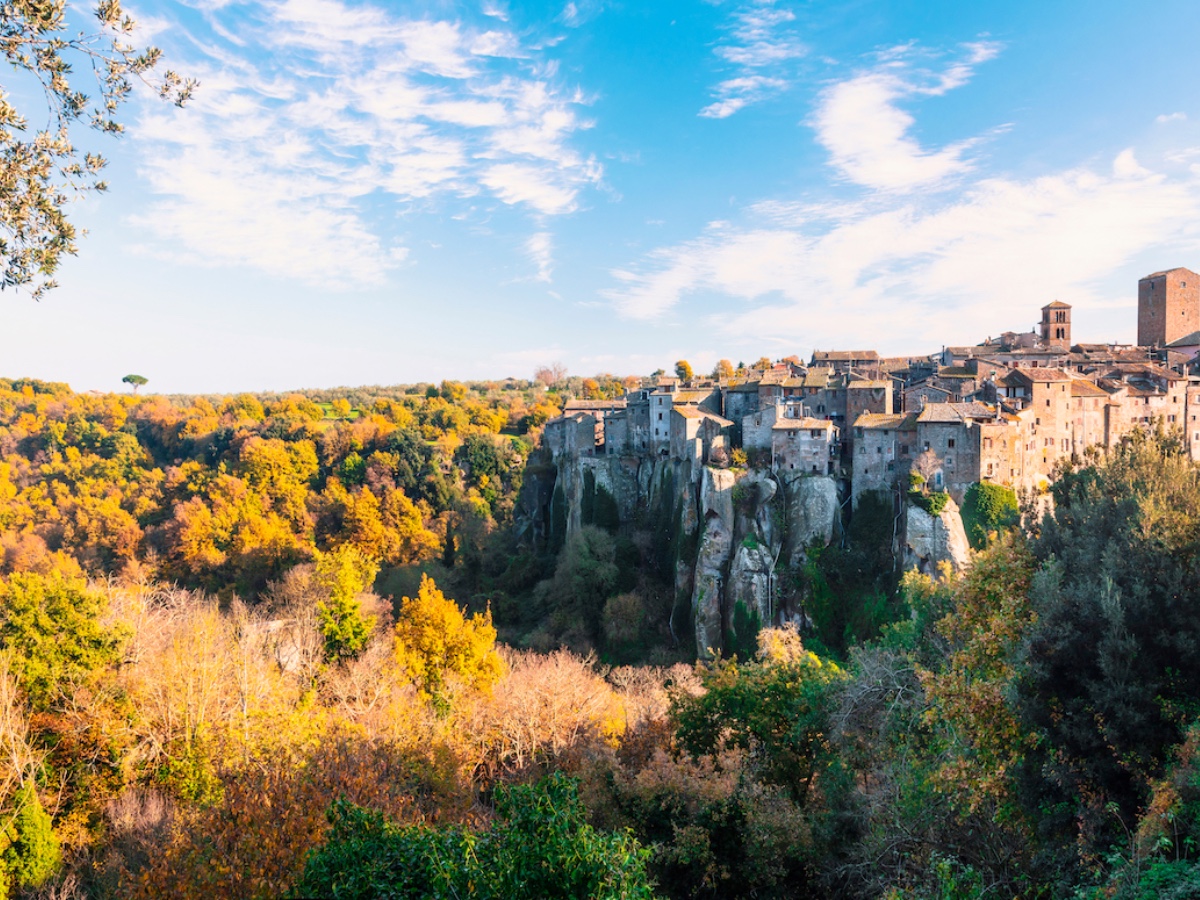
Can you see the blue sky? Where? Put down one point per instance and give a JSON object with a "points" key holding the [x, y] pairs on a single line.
{"points": [[394, 192]]}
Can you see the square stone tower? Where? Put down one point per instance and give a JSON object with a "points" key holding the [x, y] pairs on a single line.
{"points": [[1168, 306], [1056, 325]]}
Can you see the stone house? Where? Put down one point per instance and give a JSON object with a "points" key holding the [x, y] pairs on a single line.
{"points": [[804, 445], [627, 432], [696, 434], [570, 435], [739, 401], [864, 362], [598, 409], [916, 396], [867, 395], [883, 450]]}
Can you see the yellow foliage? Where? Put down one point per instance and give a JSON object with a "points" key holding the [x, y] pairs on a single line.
{"points": [[435, 641]]}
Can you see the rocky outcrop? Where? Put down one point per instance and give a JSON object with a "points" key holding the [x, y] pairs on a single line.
{"points": [[733, 527], [712, 558], [932, 540], [813, 514]]}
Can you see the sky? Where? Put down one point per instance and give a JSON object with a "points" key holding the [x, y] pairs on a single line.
{"points": [[383, 193]]}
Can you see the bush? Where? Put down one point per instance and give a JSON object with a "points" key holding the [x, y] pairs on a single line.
{"points": [[541, 847], [933, 503], [988, 508]]}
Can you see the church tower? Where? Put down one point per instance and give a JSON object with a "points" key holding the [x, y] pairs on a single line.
{"points": [[1056, 325]]}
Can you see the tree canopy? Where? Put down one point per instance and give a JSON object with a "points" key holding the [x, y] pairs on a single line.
{"points": [[41, 169]]}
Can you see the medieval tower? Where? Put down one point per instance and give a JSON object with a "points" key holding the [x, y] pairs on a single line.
{"points": [[1056, 325], [1168, 306]]}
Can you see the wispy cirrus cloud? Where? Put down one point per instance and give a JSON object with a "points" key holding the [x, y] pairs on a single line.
{"points": [[897, 267], [860, 122], [760, 47], [306, 140], [895, 258]]}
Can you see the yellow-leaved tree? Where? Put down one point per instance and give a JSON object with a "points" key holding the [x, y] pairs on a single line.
{"points": [[435, 641]]}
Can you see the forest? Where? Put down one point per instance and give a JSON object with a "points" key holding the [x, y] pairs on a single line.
{"points": [[307, 645]]}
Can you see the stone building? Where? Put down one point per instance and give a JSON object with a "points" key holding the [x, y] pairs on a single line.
{"points": [[867, 396], [883, 450], [600, 410], [1168, 306], [1056, 325], [804, 445], [697, 434], [864, 362], [570, 435], [627, 431]]}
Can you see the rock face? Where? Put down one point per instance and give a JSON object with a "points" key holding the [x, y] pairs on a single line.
{"points": [[813, 514], [742, 524], [712, 558], [931, 540]]}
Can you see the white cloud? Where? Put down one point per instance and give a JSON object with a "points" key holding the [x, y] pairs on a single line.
{"points": [[540, 248], [340, 108], [896, 264], [868, 135], [760, 38], [1171, 117]]}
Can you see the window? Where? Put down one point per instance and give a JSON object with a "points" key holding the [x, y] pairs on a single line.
{"points": [[950, 443], [660, 417]]}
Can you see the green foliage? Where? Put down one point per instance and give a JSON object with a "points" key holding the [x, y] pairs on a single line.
{"points": [[540, 848], [851, 586], [779, 708], [607, 513], [343, 574], [50, 624], [30, 853], [988, 507], [43, 169], [585, 577], [558, 519], [1109, 678], [932, 502], [743, 639]]}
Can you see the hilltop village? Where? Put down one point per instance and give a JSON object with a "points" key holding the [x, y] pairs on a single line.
{"points": [[1007, 410]]}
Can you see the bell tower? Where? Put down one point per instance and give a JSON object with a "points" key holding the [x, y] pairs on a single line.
{"points": [[1056, 325]]}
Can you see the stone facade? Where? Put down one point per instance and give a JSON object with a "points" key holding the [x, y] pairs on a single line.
{"points": [[1056, 325], [1168, 306], [804, 445]]}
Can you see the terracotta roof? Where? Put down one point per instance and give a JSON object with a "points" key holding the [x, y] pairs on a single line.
{"points": [[1166, 272], [1037, 373], [690, 397], [955, 372], [746, 387], [1057, 304], [1081, 388]]}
